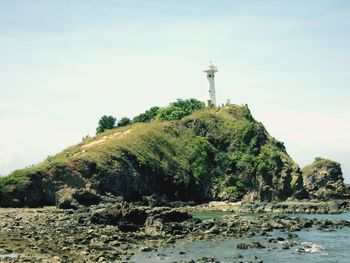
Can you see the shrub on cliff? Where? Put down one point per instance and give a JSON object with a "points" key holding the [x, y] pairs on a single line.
{"points": [[174, 111], [147, 116], [123, 122], [105, 123], [179, 109]]}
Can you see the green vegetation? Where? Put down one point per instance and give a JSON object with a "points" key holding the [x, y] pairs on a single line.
{"points": [[238, 186], [17, 178], [320, 163], [179, 109], [105, 123], [123, 122], [175, 111], [12, 186], [147, 116], [183, 152]]}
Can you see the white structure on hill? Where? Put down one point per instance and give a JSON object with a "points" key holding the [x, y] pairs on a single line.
{"points": [[211, 70]]}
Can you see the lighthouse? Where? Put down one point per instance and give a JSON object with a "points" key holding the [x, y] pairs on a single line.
{"points": [[211, 70]]}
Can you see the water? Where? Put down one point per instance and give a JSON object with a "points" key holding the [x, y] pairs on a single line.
{"points": [[209, 215], [320, 246]]}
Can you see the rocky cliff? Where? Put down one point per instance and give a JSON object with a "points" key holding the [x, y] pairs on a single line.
{"points": [[212, 154], [323, 179]]}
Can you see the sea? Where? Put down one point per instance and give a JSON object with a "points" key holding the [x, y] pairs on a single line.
{"points": [[316, 245]]}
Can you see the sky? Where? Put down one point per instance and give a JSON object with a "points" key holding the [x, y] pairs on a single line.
{"points": [[64, 64]]}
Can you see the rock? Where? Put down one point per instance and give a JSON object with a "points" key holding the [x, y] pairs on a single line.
{"points": [[155, 200], [154, 226], [172, 215], [272, 240], [250, 234], [285, 246], [323, 179], [245, 246], [292, 236], [207, 259], [65, 200], [146, 249], [127, 226], [86, 197], [256, 245], [214, 230], [127, 217], [307, 224], [156, 221], [72, 198], [56, 259]]}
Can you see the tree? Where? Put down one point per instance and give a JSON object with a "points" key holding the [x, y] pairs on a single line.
{"points": [[147, 116], [179, 109], [123, 122], [105, 123]]}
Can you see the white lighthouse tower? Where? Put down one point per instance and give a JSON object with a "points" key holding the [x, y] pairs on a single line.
{"points": [[211, 70]]}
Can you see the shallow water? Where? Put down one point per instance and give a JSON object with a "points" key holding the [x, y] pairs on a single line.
{"points": [[320, 246], [209, 215]]}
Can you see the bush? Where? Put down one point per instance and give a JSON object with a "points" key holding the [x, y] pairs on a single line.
{"points": [[105, 123], [17, 177], [123, 122], [147, 116], [179, 109]]}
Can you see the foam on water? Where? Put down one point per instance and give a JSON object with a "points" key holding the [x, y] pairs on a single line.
{"points": [[310, 247]]}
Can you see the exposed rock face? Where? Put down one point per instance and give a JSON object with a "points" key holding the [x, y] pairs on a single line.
{"points": [[323, 179]]}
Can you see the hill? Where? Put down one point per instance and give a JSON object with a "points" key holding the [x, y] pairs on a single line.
{"points": [[211, 154]]}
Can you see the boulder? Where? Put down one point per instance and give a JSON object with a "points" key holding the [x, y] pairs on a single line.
{"points": [[171, 215], [154, 226], [72, 198], [124, 215], [86, 197], [245, 246], [130, 218], [323, 179]]}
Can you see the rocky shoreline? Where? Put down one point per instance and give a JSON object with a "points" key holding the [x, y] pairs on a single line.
{"points": [[286, 207], [115, 232]]}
